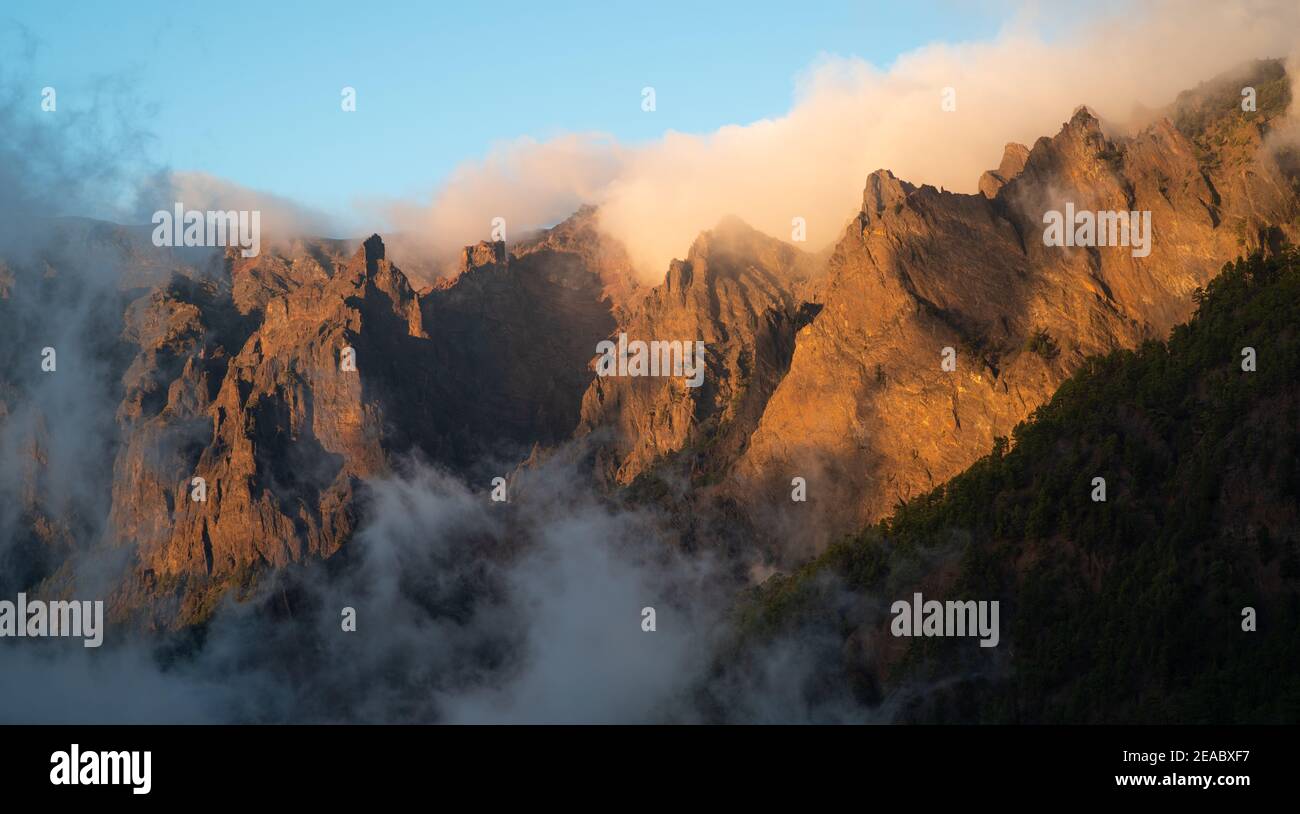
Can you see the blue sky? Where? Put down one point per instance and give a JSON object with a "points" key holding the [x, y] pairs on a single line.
{"points": [[250, 91]]}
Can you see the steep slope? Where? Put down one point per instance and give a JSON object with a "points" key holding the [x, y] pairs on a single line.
{"points": [[269, 411], [1124, 610], [867, 413], [282, 382], [734, 293], [64, 284], [514, 333]]}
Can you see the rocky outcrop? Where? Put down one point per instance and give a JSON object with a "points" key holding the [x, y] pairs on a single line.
{"points": [[734, 293], [1013, 161], [255, 407]]}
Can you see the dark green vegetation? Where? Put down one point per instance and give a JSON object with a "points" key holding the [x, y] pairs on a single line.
{"points": [[1041, 342], [1200, 113], [1128, 610]]}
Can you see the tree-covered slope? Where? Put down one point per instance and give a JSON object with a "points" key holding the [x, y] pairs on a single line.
{"points": [[1127, 610]]}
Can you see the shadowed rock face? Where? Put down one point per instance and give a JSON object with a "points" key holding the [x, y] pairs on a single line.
{"points": [[515, 331], [827, 370], [239, 379]]}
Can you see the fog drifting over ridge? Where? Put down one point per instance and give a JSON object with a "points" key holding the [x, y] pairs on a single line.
{"points": [[847, 119]]}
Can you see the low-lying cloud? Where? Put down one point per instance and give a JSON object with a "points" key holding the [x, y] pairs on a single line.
{"points": [[467, 610]]}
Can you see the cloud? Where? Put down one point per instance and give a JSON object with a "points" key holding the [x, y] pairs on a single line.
{"points": [[467, 610], [59, 279], [52, 683], [849, 118], [282, 218], [529, 183], [472, 611]]}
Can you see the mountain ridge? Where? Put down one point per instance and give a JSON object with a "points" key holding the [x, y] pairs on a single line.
{"points": [[231, 369]]}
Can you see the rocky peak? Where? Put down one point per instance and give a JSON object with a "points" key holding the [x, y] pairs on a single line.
{"points": [[368, 260], [373, 249], [1013, 161], [735, 293], [483, 254], [924, 271], [588, 249], [1084, 117], [883, 192]]}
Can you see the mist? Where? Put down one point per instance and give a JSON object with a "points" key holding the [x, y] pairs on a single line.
{"points": [[60, 307], [467, 610]]}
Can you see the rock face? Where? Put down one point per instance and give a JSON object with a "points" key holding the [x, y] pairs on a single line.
{"points": [[270, 394], [867, 413], [515, 332], [288, 381], [1013, 161], [1203, 466], [734, 293]]}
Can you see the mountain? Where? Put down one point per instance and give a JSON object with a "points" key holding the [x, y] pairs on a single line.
{"points": [[826, 367], [1127, 610], [735, 291], [515, 331], [235, 371], [259, 404], [833, 372], [867, 414]]}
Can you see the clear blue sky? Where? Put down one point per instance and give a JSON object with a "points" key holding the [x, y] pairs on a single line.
{"points": [[249, 91]]}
